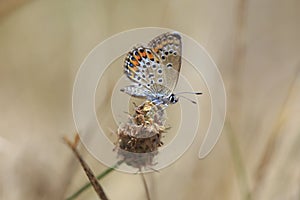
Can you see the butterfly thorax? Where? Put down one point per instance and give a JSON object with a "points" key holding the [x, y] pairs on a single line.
{"points": [[162, 95], [172, 99]]}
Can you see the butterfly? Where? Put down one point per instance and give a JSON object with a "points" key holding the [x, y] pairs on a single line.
{"points": [[154, 69]]}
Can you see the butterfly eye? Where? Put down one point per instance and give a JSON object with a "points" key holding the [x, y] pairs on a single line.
{"points": [[173, 99]]}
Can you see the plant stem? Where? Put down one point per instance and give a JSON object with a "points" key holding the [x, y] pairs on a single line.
{"points": [[93, 180], [145, 186], [238, 163], [88, 184]]}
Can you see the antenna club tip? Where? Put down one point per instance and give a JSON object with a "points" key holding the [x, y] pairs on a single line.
{"points": [[198, 93]]}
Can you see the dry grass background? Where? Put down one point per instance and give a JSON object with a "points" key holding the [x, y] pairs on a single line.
{"points": [[256, 46]]}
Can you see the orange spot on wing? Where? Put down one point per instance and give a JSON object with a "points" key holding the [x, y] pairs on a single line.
{"points": [[135, 63], [156, 49], [134, 68], [143, 54], [150, 55], [137, 56]]}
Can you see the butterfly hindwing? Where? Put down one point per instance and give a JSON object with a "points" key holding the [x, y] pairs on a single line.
{"points": [[143, 67], [135, 91]]}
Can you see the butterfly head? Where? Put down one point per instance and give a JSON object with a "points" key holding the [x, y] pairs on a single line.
{"points": [[173, 99]]}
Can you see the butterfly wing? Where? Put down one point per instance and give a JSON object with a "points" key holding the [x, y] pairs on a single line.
{"points": [[168, 48], [135, 91], [143, 67], [154, 69]]}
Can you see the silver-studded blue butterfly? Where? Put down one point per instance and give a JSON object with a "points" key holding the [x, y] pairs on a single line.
{"points": [[154, 69]]}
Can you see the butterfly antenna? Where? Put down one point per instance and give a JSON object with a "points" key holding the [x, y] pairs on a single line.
{"points": [[195, 93], [194, 102]]}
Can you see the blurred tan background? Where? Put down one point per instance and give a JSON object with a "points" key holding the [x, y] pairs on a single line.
{"points": [[256, 46]]}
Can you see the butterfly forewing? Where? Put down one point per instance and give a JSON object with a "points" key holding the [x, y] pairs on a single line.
{"points": [[168, 48]]}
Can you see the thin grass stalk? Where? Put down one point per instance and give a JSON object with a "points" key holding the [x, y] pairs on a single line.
{"points": [[145, 186], [270, 147], [88, 184], [238, 163], [94, 182], [238, 66]]}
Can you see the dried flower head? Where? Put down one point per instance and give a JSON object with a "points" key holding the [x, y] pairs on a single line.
{"points": [[140, 138]]}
